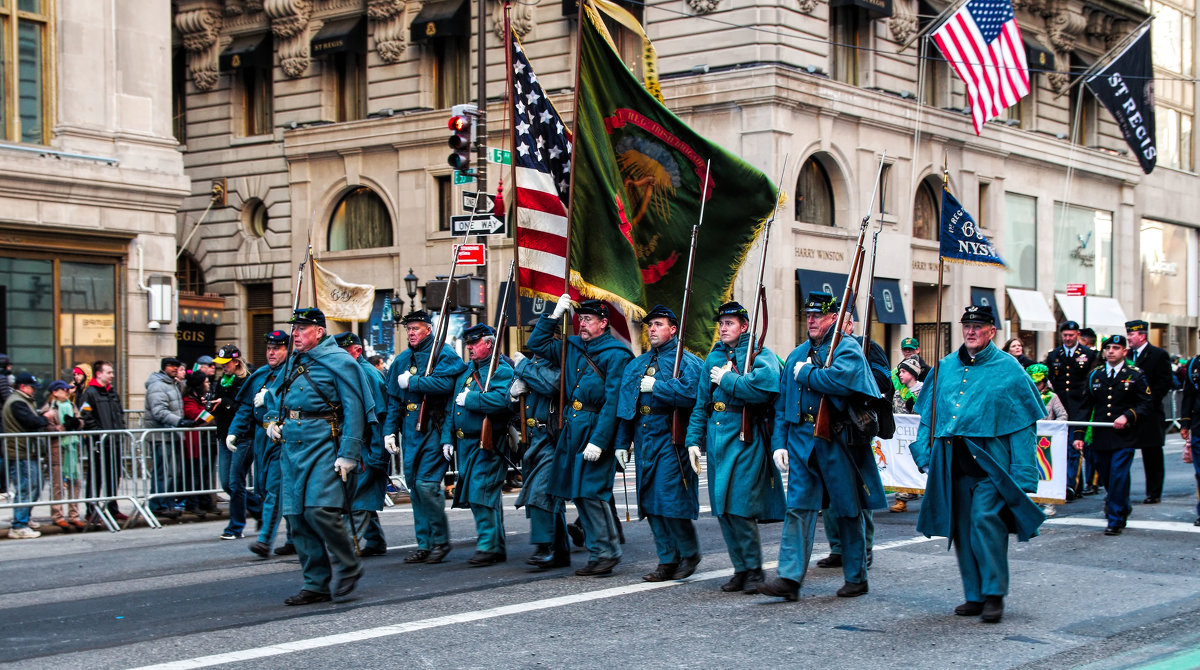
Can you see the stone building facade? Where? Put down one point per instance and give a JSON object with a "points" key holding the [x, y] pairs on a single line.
{"points": [[326, 120], [90, 183]]}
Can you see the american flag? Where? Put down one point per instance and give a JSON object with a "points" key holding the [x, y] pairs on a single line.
{"points": [[983, 44], [542, 179]]}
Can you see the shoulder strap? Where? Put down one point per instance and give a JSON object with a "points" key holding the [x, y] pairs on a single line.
{"points": [[591, 363]]}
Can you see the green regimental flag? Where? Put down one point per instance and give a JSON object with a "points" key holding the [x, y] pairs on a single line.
{"points": [[636, 190]]}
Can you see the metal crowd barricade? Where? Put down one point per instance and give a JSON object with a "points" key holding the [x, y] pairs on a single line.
{"points": [[177, 464]]}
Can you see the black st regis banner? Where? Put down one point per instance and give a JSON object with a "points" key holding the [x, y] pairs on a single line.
{"points": [[1126, 87]]}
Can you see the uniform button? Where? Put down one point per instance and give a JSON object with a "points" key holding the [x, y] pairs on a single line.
{"points": [[718, 423], [954, 417], [956, 405], [960, 392]]}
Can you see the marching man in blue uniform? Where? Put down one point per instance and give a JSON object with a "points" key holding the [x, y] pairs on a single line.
{"points": [[980, 454], [743, 488], [363, 521], [424, 465], [251, 418], [845, 474], [584, 458], [481, 466], [666, 487], [1116, 393], [325, 412], [536, 378]]}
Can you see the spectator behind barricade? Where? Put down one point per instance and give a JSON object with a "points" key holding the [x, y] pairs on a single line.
{"points": [[910, 347], [24, 471], [164, 409], [100, 408], [1055, 410], [6, 381], [1016, 348], [908, 386], [233, 467], [66, 472], [196, 448], [80, 376], [205, 364]]}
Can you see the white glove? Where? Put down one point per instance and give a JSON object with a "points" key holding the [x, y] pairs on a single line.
{"points": [[716, 373], [591, 452], [781, 460], [647, 384], [562, 307], [260, 398], [389, 443], [273, 432], [694, 458], [345, 467], [518, 388], [448, 451], [402, 379], [622, 456], [517, 358], [231, 442], [461, 398], [797, 368]]}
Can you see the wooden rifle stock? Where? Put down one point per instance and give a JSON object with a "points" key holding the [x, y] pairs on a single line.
{"points": [[524, 426]]}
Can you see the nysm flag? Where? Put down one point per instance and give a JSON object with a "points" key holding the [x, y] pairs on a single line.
{"points": [[1126, 87], [961, 239]]}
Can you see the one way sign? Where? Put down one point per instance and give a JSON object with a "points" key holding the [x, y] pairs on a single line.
{"points": [[477, 224]]}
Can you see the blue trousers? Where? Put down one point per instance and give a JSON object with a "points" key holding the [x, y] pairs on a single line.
{"points": [[834, 535], [1113, 467], [543, 524], [741, 541], [799, 533], [25, 480], [319, 534], [489, 529], [267, 480], [980, 537], [429, 514], [673, 538], [232, 469], [599, 529]]}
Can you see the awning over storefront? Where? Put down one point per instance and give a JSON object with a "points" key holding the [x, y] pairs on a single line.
{"points": [[245, 51], [986, 297], [880, 8], [889, 306], [1104, 315], [1037, 56], [339, 36], [443, 18], [1032, 310]]}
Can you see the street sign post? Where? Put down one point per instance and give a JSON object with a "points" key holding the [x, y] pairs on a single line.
{"points": [[469, 199], [500, 156], [1077, 290], [460, 178], [471, 254], [477, 224]]}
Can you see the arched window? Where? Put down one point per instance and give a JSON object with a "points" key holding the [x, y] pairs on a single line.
{"points": [[360, 221], [925, 212], [814, 194], [188, 275]]}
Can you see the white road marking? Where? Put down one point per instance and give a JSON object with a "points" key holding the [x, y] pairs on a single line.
{"points": [[1176, 526], [463, 617]]}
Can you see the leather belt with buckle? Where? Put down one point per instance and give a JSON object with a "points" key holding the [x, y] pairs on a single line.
{"points": [[460, 434], [808, 418], [411, 407], [579, 405], [297, 415], [531, 422], [646, 410], [722, 407]]}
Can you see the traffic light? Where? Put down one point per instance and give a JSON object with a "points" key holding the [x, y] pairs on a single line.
{"points": [[462, 136]]}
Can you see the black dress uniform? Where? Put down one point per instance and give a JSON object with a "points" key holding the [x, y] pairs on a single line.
{"points": [[1069, 370], [1112, 393], [1155, 364]]}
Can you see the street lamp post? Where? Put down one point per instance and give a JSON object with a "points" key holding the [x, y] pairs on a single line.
{"points": [[410, 285]]}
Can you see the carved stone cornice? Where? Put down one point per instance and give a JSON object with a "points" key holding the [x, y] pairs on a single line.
{"points": [[199, 28], [390, 20], [806, 6], [292, 24], [1064, 25], [708, 6], [903, 23], [521, 17]]}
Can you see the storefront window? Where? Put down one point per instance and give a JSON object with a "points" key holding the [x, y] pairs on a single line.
{"points": [[1020, 240], [27, 297], [87, 315], [1083, 248], [1165, 250]]}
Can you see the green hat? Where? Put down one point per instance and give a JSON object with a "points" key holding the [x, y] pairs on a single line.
{"points": [[910, 343]]}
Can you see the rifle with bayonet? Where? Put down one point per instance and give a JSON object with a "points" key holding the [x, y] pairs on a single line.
{"points": [[679, 416], [438, 340], [755, 345], [485, 429], [822, 427]]}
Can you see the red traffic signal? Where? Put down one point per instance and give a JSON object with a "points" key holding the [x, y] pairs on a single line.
{"points": [[460, 141]]}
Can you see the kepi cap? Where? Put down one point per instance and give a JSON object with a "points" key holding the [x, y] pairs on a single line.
{"points": [[277, 337], [661, 312], [593, 307], [820, 302], [977, 314], [732, 308], [419, 315], [477, 332], [308, 316], [346, 339]]}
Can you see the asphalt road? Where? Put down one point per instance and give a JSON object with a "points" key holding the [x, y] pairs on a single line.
{"points": [[180, 597]]}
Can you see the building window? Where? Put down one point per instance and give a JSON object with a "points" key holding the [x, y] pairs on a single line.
{"points": [[628, 43], [1020, 240], [814, 194], [1083, 109], [1083, 248], [445, 201], [850, 33], [925, 212], [343, 45], [189, 276], [251, 59], [983, 212], [451, 71], [26, 68], [260, 315], [1166, 251], [1173, 129], [1174, 25], [179, 74], [360, 221], [255, 217]]}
